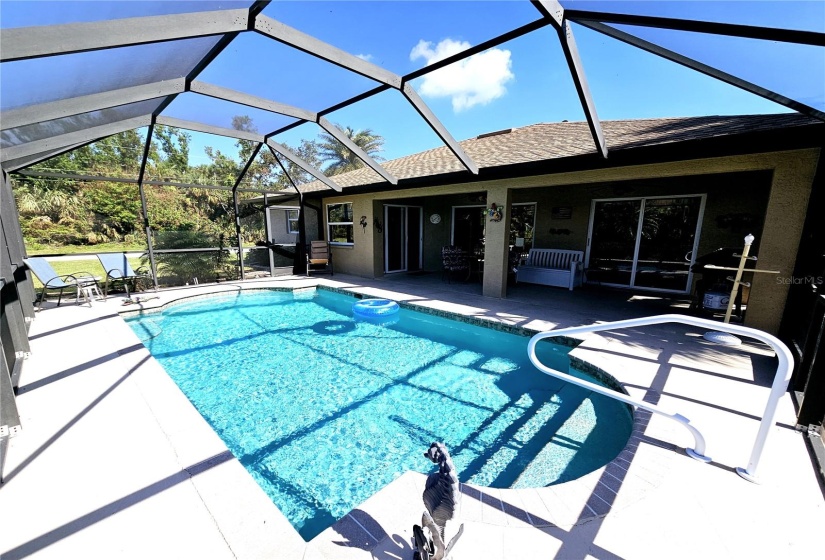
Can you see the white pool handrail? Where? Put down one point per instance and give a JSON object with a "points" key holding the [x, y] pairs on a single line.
{"points": [[778, 388]]}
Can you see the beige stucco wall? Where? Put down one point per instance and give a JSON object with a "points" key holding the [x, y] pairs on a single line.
{"points": [[741, 193], [784, 220], [497, 240], [780, 194]]}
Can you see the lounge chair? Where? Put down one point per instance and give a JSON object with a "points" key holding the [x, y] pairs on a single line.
{"points": [[118, 269], [51, 280], [319, 258]]}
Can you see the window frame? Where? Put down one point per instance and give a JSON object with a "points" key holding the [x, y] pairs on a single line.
{"points": [[289, 221], [330, 224]]}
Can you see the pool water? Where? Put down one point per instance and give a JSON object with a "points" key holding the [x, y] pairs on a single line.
{"points": [[324, 410]]}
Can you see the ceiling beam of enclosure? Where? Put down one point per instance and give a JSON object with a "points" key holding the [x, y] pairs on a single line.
{"points": [[315, 47], [246, 167], [35, 42], [102, 35], [442, 132], [253, 101], [481, 47], [342, 137], [19, 163], [42, 112], [77, 137], [209, 129], [289, 36], [254, 10], [554, 13], [294, 158], [703, 68], [697, 26]]}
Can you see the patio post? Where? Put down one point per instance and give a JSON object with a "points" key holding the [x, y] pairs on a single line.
{"points": [[496, 242], [236, 208], [147, 226], [237, 211], [268, 237]]}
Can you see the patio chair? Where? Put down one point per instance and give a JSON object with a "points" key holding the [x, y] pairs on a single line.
{"points": [[118, 270], [51, 280], [319, 258], [454, 260]]}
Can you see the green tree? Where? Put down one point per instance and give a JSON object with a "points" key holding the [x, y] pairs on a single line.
{"points": [[341, 158], [174, 150], [70, 211]]}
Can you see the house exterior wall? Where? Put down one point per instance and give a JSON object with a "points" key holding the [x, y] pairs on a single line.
{"points": [[278, 230], [277, 223], [773, 186], [730, 200]]}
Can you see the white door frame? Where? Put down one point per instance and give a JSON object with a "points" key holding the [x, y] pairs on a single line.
{"points": [[643, 199], [406, 233]]}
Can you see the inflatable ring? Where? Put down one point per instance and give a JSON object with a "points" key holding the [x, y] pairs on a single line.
{"points": [[372, 308]]}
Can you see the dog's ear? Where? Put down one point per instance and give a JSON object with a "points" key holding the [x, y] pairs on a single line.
{"points": [[432, 453]]}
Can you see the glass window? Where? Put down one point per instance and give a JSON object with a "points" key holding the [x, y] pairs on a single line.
{"points": [[292, 221], [340, 230], [522, 224]]}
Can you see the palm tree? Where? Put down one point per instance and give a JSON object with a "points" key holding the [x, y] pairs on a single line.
{"points": [[342, 158]]}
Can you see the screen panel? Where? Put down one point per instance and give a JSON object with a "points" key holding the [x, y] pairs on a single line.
{"points": [[41, 80], [21, 14], [796, 71], [56, 127], [389, 31]]}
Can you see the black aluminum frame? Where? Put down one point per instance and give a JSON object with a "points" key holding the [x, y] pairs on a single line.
{"points": [[230, 23]]}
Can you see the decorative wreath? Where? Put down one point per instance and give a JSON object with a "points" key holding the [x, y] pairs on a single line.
{"points": [[495, 212]]}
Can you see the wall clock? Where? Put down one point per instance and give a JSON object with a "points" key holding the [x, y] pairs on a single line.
{"points": [[435, 219]]}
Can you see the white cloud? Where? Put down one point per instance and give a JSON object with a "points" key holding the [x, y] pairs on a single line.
{"points": [[366, 57], [476, 80]]}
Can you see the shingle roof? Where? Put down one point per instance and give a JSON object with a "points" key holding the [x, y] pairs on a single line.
{"points": [[547, 141]]}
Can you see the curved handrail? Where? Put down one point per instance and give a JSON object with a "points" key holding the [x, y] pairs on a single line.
{"points": [[778, 388]]}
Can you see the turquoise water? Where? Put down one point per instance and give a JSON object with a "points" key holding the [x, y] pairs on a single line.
{"points": [[324, 410]]}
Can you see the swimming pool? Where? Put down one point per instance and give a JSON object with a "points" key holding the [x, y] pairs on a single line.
{"points": [[324, 410]]}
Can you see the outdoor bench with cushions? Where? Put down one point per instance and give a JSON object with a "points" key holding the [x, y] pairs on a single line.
{"points": [[552, 267]]}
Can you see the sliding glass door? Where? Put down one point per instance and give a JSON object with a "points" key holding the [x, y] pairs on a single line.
{"points": [[402, 238], [644, 242]]}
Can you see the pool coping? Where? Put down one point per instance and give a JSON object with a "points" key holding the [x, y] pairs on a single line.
{"points": [[215, 509], [564, 505]]}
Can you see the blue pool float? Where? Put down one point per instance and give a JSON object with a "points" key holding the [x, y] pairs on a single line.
{"points": [[375, 308]]}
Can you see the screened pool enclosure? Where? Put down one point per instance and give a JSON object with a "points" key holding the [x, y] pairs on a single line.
{"points": [[104, 108]]}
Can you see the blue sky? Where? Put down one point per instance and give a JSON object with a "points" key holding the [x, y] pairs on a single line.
{"points": [[521, 82]]}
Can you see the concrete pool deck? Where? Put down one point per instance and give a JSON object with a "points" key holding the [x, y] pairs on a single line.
{"points": [[114, 462]]}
